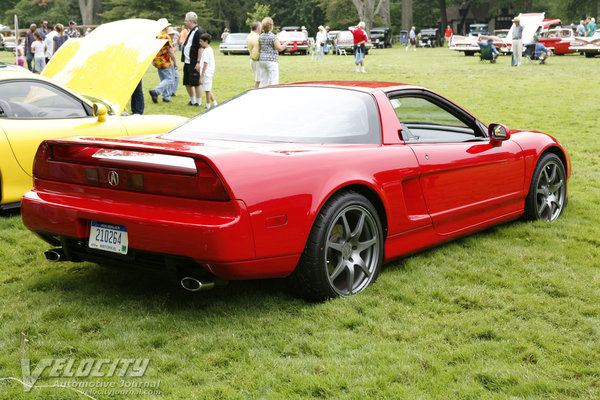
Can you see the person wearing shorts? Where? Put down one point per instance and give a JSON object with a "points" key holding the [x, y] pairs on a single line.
{"points": [[191, 54], [207, 68], [254, 49]]}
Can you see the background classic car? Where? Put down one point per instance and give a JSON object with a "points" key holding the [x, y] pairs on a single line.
{"points": [[235, 43], [78, 92], [290, 194]]}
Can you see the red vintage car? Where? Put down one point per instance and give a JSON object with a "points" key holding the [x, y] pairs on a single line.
{"points": [[361, 173], [558, 40]]}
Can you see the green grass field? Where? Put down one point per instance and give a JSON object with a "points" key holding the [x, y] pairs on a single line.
{"points": [[511, 312]]}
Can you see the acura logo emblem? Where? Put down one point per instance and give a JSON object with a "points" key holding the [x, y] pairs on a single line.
{"points": [[113, 178]]}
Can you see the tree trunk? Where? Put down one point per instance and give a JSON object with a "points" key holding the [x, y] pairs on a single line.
{"points": [[366, 11], [443, 17], [407, 15], [383, 10], [89, 10]]}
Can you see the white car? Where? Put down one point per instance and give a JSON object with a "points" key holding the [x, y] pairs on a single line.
{"points": [[590, 46], [235, 43]]}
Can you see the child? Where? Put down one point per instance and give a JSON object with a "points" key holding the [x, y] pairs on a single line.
{"points": [[207, 69], [39, 51]]}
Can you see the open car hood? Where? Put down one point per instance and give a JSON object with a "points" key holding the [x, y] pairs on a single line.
{"points": [[109, 62], [530, 22]]}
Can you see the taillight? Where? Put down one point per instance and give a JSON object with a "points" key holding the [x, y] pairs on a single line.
{"points": [[132, 170]]}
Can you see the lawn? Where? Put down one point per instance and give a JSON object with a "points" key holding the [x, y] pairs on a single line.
{"points": [[512, 311]]}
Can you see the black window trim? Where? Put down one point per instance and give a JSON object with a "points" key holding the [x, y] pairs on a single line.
{"points": [[479, 129]]}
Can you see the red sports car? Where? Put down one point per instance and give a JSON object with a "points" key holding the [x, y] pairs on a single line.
{"points": [[361, 173]]}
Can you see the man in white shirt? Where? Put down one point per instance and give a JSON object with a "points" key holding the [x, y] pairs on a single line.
{"points": [[49, 42]]}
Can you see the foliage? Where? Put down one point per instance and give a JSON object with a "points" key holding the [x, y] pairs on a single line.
{"points": [[173, 10], [337, 15], [306, 13], [259, 12], [510, 312], [30, 12]]}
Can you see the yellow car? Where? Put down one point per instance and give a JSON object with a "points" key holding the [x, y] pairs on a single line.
{"points": [[82, 91]]}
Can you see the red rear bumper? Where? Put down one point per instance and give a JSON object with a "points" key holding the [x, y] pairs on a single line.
{"points": [[216, 235]]}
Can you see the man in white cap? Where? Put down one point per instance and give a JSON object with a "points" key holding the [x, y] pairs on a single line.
{"points": [[517, 41]]}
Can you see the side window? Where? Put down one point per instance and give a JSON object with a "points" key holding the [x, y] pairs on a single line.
{"points": [[38, 100], [425, 122]]}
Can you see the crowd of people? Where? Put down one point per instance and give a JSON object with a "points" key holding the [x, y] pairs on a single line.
{"points": [[40, 44]]}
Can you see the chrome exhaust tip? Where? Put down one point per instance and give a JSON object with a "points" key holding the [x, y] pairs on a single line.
{"points": [[54, 255], [194, 285]]}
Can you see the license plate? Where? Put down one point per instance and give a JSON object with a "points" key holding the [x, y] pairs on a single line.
{"points": [[108, 237]]}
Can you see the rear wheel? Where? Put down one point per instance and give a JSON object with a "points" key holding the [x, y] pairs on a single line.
{"points": [[344, 251], [548, 190]]}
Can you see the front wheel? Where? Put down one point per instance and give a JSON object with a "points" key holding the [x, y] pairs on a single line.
{"points": [[548, 190], [344, 251]]}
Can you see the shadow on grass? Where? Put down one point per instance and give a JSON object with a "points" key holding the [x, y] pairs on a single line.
{"points": [[90, 285]]}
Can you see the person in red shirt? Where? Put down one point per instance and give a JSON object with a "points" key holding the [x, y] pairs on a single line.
{"points": [[448, 35], [360, 39]]}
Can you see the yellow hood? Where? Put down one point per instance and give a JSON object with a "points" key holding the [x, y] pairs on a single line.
{"points": [[109, 62]]}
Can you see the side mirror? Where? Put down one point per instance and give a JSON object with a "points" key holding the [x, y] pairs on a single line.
{"points": [[100, 111], [498, 133]]}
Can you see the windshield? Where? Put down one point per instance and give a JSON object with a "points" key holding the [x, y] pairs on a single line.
{"points": [[296, 114]]}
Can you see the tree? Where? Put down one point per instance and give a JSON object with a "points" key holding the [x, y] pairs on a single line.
{"points": [[443, 16], [32, 12], [367, 11], [337, 15], [260, 12], [407, 14], [89, 11], [174, 11]]}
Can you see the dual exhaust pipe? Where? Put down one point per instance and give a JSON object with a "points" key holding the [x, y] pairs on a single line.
{"points": [[189, 283]]}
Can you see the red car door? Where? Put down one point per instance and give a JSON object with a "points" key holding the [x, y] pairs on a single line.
{"points": [[466, 181], [467, 184]]}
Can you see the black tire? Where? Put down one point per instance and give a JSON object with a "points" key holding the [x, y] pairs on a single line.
{"points": [[469, 53], [547, 195], [347, 232], [589, 55]]}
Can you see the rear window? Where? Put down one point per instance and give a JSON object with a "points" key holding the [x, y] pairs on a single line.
{"points": [[296, 114], [236, 38]]}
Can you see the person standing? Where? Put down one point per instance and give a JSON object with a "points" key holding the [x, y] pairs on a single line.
{"points": [[173, 34], [166, 64], [320, 42], [224, 34], [517, 41], [412, 39], [254, 49], [49, 42], [192, 52], [29, 39], [270, 47], [137, 100], [39, 51], [581, 29], [44, 29], [207, 68], [72, 31], [591, 27], [60, 37], [360, 49], [448, 35], [20, 53]]}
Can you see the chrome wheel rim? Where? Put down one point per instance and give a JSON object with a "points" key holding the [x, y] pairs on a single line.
{"points": [[550, 191], [352, 250]]}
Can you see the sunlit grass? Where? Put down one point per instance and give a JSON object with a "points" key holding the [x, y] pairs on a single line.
{"points": [[509, 312]]}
